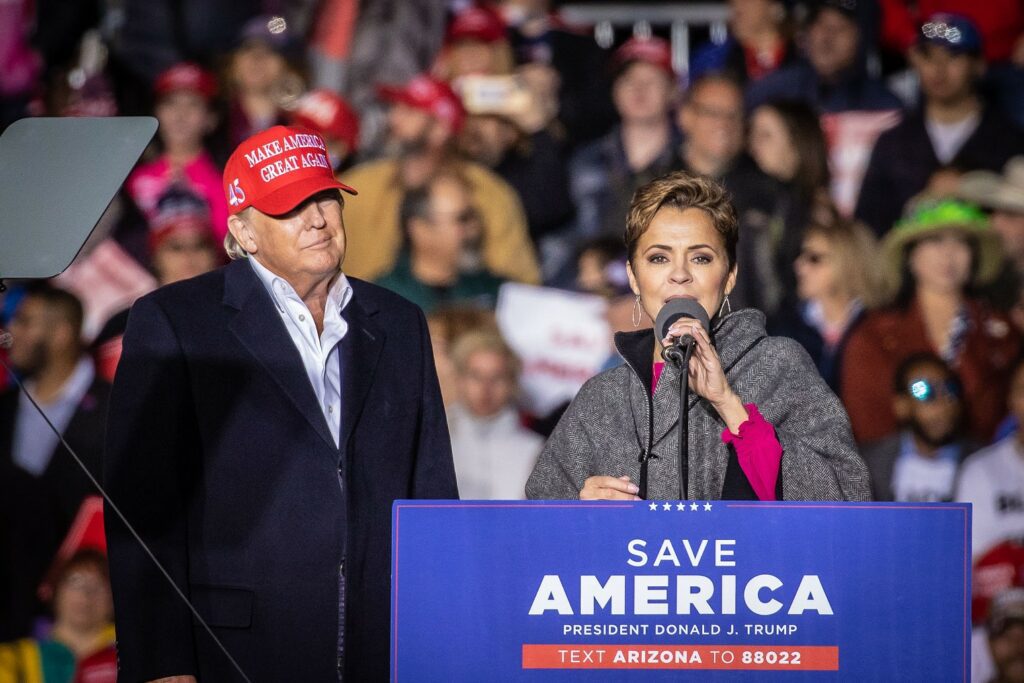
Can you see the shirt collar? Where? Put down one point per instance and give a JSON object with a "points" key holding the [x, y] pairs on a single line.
{"points": [[75, 385], [280, 289], [947, 453]]}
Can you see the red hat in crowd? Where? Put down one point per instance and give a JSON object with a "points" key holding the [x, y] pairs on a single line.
{"points": [[278, 169], [179, 211], [1000, 568], [429, 94], [186, 76], [86, 533], [653, 50], [476, 23], [330, 115]]}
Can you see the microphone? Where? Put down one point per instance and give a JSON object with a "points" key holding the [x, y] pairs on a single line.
{"points": [[670, 313]]}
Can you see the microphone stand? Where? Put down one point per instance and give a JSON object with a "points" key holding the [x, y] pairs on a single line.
{"points": [[684, 423]]}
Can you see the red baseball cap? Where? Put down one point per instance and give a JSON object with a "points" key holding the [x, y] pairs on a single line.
{"points": [[329, 114], [278, 169], [429, 94], [476, 23], [653, 50], [186, 76]]}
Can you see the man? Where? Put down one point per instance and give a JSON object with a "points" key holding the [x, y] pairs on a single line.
{"points": [[920, 463], [1005, 630], [606, 172], [833, 76], [424, 118], [41, 486], [953, 128], [442, 231], [264, 418], [503, 134], [1003, 195], [992, 480]]}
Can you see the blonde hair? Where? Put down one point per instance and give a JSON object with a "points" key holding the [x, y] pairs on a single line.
{"points": [[855, 253], [484, 340]]}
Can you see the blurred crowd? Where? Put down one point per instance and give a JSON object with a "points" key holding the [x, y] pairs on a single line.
{"points": [[873, 150]]}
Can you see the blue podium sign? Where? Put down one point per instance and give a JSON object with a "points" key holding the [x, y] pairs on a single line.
{"points": [[539, 591]]}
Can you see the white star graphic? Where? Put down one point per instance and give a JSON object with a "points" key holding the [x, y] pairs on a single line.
{"points": [[654, 506], [707, 507], [681, 506], [693, 506], [667, 506]]}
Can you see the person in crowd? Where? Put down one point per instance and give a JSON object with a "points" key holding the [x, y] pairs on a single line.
{"points": [[501, 134], [1005, 629], [330, 115], [1001, 25], [41, 483], [235, 505], [79, 646], [181, 246], [542, 40], [933, 261], [953, 127], [710, 118], [919, 463], [447, 324], [440, 225], [1003, 196], [493, 452], [760, 42], [424, 118], [184, 95], [475, 44], [836, 282], [832, 77], [788, 145], [761, 395], [606, 172], [261, 76], [992, 480]]}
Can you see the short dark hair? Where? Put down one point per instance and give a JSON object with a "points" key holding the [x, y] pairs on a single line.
{"points": [[682, 190], [804, 128], [63, 302], [416, 201]]}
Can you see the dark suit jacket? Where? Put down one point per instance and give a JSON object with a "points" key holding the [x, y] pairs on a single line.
{"points": [[35, 512], [219, 455]]}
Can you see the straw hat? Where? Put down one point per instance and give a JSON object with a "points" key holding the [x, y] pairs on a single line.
{"points": [[929, 217], [993, 191]]}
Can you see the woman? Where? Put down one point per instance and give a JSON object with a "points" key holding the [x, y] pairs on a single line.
{"points": [[933, 260], [767, 426], [836, 280], [80, 646], [788, 145]]}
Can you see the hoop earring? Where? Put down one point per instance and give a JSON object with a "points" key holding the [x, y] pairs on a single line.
{"points": [[725, 302], [637, 313]]}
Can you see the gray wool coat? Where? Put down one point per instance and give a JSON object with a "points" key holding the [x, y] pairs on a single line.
{"points": [[606, 427]]}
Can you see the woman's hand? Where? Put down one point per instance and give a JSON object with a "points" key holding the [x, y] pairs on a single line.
{"points": [[609, 488], [706, 376]]}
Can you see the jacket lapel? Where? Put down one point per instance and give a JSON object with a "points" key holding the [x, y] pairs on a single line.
{"points": [[259, 327], [359, 353]]}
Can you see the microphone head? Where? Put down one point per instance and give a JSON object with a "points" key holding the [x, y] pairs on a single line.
{"points": [[676, 309]]}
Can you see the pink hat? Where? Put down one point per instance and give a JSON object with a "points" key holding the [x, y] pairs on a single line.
{"points": [[656, 51], [429, 94], [476, 23], [278, 169], [186, 76], [330, 115]]}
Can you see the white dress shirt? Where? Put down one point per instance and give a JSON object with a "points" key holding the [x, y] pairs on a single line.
{"points": [[319, 353]]}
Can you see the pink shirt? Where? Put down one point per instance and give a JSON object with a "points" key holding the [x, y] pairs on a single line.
{"points": [[148, 182], [757, 448]]}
